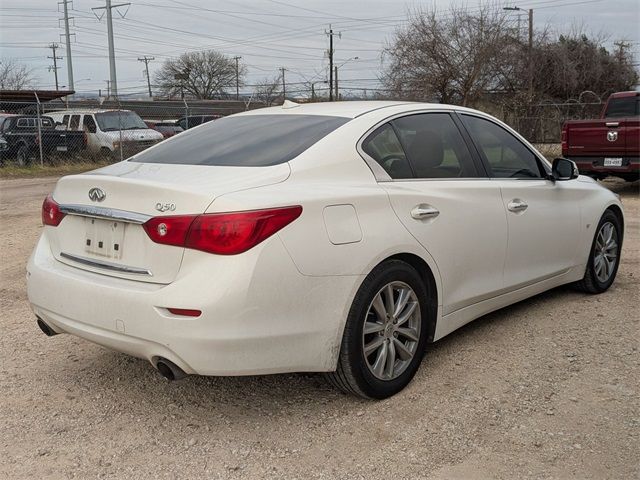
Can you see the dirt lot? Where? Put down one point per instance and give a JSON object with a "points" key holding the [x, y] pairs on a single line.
{"points": [[547, 388]]}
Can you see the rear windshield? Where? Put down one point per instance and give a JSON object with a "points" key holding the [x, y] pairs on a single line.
{"points": [[623, 107], [244, 141]]}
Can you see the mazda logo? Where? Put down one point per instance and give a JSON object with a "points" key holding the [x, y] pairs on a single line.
{"points": [[97, 194]]}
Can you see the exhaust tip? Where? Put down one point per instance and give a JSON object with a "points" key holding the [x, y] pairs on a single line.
{"points": [[169, 370], [46, 329]]}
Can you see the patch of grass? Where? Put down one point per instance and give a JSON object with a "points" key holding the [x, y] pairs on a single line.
{"points": [[14, 171]]}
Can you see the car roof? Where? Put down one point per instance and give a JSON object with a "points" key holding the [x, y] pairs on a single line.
{"points": [[631, 93], [86, 110], [348, 109]]}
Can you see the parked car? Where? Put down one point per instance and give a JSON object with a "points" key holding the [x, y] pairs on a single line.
{"points": [[194, 120], [609, 145], [167, 129], [339, 237], [22, 138], [106, 129]]}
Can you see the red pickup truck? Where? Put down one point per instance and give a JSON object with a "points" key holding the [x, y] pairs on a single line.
{"points": [[609, 145]]}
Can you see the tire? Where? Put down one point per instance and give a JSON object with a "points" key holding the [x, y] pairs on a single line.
{"points": [[359, 374], [600, 274], [23, 156]]}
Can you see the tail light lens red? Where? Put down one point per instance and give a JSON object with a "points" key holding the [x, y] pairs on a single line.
{"points": [[51, 214], [221, 233], [564, 140]]}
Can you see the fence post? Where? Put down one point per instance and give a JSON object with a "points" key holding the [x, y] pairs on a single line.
{"points": [[120, 126], [186, 113], [39, 127]]}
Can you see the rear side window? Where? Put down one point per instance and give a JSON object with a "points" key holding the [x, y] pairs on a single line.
{"points": [[244, 141], [384, 147], [623, 107], [506, 156]]}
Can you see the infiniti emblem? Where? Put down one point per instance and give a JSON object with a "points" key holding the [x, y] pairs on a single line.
{"points": [[97, 194]]}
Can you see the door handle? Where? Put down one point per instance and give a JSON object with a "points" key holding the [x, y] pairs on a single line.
{"points": [[516, 205], [424, 211]]}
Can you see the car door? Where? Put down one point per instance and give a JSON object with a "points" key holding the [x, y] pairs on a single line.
{"points": [[543, 216], [441, 195]]}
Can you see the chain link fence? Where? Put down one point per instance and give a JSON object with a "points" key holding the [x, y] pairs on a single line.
{"points": [[92, 131], [113, 130]]}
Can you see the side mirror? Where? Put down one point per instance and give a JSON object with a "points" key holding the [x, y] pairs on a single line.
{"points": [[564, 169]]}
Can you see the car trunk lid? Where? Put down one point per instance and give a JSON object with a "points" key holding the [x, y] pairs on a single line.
{"points": [[105, 235]]}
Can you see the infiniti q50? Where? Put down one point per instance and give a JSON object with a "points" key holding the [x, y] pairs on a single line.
{"points": [[338, 237]]}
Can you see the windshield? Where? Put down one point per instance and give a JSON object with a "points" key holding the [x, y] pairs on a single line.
{"points": [[245, 140], [119, 120]]}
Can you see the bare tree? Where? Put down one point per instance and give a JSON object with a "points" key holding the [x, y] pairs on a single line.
{"points": [[203, 75], [269, 90], [14, 76], [451, 56]]}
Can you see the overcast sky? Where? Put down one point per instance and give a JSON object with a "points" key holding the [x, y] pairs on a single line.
{"points": [[268, 34]]}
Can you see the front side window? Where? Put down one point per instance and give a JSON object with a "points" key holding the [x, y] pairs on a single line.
{"points": [[244, 141], [384, 147], [506, 156], [435, 147], [88, 124]]}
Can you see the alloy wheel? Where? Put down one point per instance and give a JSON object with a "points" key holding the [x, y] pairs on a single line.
{"points": [[606, 252], [391, 330]]}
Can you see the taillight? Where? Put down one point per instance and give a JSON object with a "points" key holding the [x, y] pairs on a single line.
{"points": [[564, 140], [221, 233], [51, 214], [170, 230]]}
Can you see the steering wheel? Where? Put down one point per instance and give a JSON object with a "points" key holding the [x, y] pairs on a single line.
{"points": [[525, 172]]}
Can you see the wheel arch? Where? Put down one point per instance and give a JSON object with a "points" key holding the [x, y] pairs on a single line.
{"points": [[429, 280], [617, 211]]}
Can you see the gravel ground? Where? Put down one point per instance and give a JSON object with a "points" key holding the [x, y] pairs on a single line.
{"points": [[547, 388]]}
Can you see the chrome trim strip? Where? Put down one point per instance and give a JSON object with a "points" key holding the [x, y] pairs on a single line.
{"points": [[104, 212], [114, 267]]}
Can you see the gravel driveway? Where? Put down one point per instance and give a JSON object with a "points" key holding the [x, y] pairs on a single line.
{"points": [[547, 388]]}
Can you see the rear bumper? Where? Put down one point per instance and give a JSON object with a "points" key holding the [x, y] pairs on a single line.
{"points": [[595, 165], [259, 314]]}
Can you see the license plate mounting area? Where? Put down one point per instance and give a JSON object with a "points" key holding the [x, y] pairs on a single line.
{"points": [[104, 237]]}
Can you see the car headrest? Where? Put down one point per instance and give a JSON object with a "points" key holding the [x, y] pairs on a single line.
{"points": [[426, 150]]}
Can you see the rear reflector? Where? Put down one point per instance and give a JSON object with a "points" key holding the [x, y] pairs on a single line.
{"points": [[51, 214], [221, 233], [185, 312]]}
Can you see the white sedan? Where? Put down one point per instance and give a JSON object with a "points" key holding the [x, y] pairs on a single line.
{"points": [[335, 237]]}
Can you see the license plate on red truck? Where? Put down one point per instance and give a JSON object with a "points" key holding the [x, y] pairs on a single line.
{"points": [[613, 162]]}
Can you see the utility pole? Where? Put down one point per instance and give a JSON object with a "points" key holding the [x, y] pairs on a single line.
{"points": [[335, 70], [622, 45], [54, 47], [67, 41], [330, 34], [531, 53], [284, 85], [108, 89], [146, 61], [112, 55], [530, 47], [237, 59]]}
